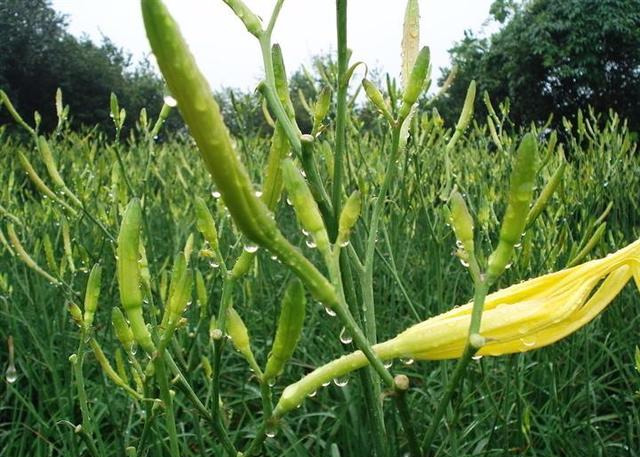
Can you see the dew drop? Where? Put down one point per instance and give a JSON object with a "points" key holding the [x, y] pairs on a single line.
{"points": [[345, 336], [528, 342], [11, 374], [344, 244], [215, 194], [476, 357], [289, 202], [312, 394], [464, 263], [329, 311], [325, 384], [407, 360], [258, 193], [271, 382], [214, 264], [341, 381], [311, 244], [251, 248], [507, 266], [271, 433], [388, 364]]}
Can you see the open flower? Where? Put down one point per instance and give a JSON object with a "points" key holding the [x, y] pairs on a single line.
{"points": [[523, 317]]}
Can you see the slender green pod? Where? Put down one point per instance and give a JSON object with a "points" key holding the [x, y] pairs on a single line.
{"points": [[289, 329], [462, 222], [205, 223], [92, 294], [349, 216], [548, 190], [375, 97], [416, 82], [202, 114], [66, 243], [122, 329], [515, 217], [181, 291], [129, 277], [272, 185], [48, 252], [304, 204]]}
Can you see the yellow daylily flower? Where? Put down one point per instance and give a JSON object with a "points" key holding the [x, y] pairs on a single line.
{"points": [[523, 317]]}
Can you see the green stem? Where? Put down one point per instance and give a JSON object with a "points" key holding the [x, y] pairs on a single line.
{"points": [[165, 396], [460, 370], [407, 423], [341, 107]]}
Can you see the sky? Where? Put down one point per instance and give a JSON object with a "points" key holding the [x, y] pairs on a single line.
{"points": [[230, 57]]}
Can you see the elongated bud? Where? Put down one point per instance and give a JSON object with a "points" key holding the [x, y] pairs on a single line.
{"points": [[548, 190], [123, 331], [238, 333], [4, 98], [349, 216], [593, 241], [515, 217], [205, 223], [109, 371], [48, 252], [272, 185], [121, 366], [179, 290], [305, 206], [281, 82], [129, 277], [49, 161], [416, 82], [201, 293], [202, 114], [289, 329], [462, 222], [25, 257], [248, 18], [375, 97], [323, 103], [91, 295], [465, 116]]}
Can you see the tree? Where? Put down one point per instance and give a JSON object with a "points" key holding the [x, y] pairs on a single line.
{"points": [[38, 55], [555, 57]]}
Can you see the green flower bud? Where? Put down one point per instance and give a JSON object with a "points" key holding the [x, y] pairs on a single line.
{"points": [[349, 216], [416, 82], [289, 329], [304, 204], [238, 333], [375, 97], [462, 222], [205, 223], [129, 277], [546, 194], [49, 161], [323, 103], [76, 313], [515, 217], [123, 331], [91, 295], [281, 82]]}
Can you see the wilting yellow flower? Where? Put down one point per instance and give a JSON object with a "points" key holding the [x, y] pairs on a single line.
{"points": [[523, 317]]}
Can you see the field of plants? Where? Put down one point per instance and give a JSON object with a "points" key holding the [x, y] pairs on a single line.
{"points": [[163, 295]]}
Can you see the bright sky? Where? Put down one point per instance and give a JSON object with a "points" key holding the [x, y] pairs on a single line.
{"points": [[229, 56]]}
